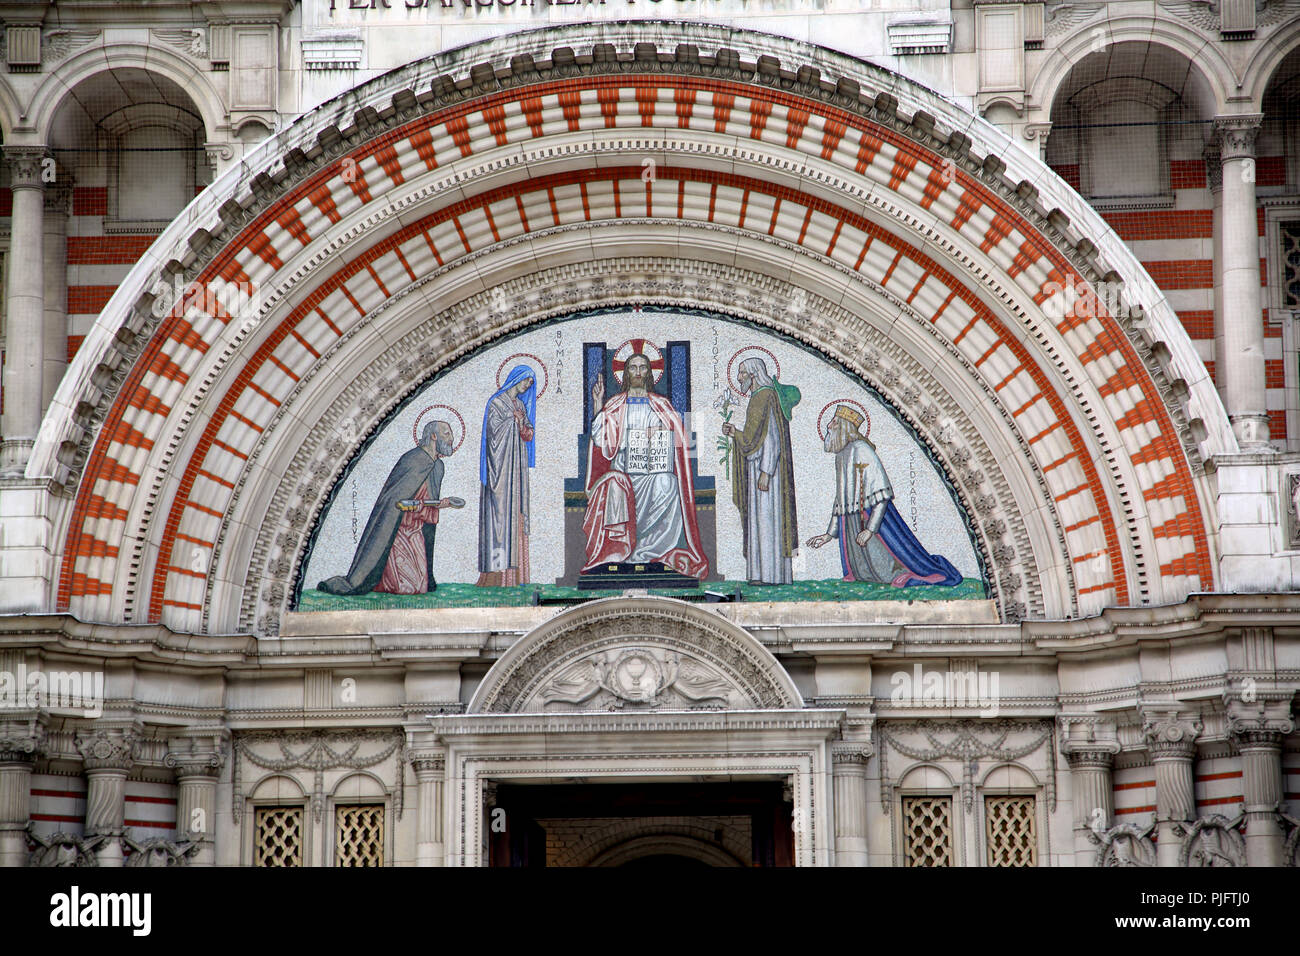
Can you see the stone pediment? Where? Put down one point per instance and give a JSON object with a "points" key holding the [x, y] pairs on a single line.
{"points": [[634, 655]]}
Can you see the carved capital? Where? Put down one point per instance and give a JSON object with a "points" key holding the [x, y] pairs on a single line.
{"points": [[1088, 739], [1236, 135], [855, 753], [26, 166], [21, 739], [196, 756], [428, 763], [108, 749], [1170, 735], [1259, 723]]}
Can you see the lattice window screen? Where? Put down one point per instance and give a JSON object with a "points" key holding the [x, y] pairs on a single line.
{"points": [[1009, 828], [927, 831], [359, 835], [1290, 234], [278, 840]]}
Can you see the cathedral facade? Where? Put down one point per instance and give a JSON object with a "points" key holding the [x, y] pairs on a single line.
{"points": [[661, 434]]}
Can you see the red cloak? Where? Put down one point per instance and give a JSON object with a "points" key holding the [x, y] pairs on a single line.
{"points": [[613, 543]]}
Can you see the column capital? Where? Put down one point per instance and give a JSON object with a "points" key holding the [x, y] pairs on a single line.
{"points": [[1170, 734], [197, 755], [428, 763], [1236, 135], [846, 752], [108, 749], [1259, 723], [21, 738], [26, 166]]}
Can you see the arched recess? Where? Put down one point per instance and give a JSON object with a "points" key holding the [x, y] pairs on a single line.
{"points": [[687, 651], [202, 438]]}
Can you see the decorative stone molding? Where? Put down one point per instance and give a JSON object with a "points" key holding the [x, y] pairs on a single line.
{"points": [[1236, 135], [160, 852], [917, 37], [318, 751], [966, 741], [58, 196], [557, 662], [1088, 741], [332, 52], [427, 763], [192, 41]]}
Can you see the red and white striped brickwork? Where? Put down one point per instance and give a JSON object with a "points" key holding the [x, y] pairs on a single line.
{"points": [[1033, 391]]}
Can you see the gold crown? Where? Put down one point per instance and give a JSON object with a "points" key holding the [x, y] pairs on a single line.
{"points": [[850, 414]]}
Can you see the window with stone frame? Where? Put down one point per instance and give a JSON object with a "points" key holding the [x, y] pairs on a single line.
{"points": [[359, 834], [278, 836], [1010, 831], [927, 831]]}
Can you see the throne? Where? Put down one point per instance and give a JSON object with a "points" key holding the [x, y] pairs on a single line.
{"points": [[672, 367]]}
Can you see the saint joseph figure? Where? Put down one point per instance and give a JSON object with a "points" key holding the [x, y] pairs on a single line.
{"points": [[762, 475], [395, 554], [640, 501], [506, 454], [875, 543]]}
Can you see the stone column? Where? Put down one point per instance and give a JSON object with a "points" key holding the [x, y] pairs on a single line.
{"points": [[1089, 745], [58, 205], [1241, 366], [1214, 179], [24, 310], [107, 756], [430, 773], [1171, 741], [1257, 727], [197, 761], [20, 743], [849, 776]]}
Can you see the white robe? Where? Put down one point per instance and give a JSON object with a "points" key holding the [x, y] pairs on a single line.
{"points": [[659, 523]]}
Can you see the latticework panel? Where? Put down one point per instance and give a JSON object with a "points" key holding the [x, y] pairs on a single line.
{"points": [[927, 830], [278, 839], [359, 835], [1290, 235], [1010, 832]]}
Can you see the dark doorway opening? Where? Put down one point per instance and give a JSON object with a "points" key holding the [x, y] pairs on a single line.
{"points": [[644, 825]]}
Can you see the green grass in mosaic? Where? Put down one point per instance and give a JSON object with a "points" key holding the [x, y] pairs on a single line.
{"points": [[469, 595]]}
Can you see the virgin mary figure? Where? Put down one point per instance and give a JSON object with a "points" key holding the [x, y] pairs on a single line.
{"points": [[506, 454]]}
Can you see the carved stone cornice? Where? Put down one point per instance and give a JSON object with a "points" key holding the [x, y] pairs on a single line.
{"points": [[21, 739], [26, 164], [1169, 734], [1236, 135], [108, 749]]}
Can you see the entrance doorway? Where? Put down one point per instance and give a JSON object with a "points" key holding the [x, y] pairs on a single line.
{"points": [[646, 826]]}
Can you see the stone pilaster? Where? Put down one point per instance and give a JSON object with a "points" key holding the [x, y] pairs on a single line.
{"points": [[1257, 727], [197, 761], [430, 773], [1241, 366], [1171, 741], [107, 756], [1089, 744], [20, 744], [849, 776], [24, 308], [58, 206]]}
